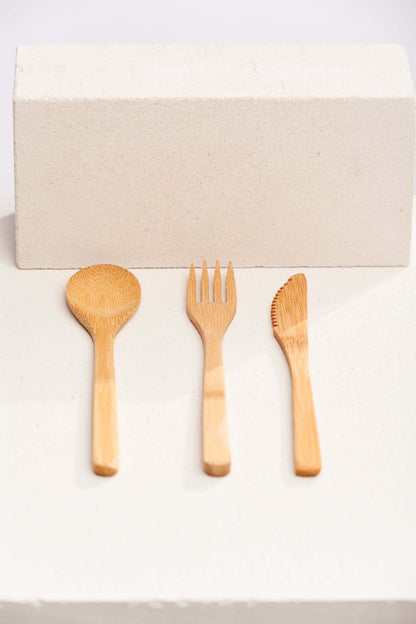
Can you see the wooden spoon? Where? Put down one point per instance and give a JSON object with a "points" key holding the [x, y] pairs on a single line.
{"points": [[103, 297]]}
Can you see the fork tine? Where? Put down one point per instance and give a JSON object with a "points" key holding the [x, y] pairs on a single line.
{"points": [[191, 294], [230, 285], [204, 284], [217, 282]]}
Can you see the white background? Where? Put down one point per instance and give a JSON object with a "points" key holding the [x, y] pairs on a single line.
{"points": [[261, 533], [131, 21]]}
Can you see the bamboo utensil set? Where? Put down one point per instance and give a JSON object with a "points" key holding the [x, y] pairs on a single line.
{"points": [[103, 297]]}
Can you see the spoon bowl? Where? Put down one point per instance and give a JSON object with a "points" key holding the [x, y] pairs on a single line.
{"points": [[103, 295]]}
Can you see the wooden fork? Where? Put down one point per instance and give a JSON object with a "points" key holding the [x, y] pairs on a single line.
{"points": [[211, 319]]}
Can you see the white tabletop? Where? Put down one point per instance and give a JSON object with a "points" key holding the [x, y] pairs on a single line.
{"points": [[161, 530]]}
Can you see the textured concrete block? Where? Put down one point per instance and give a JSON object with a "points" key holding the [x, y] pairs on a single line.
{"points": [[159, 155]]}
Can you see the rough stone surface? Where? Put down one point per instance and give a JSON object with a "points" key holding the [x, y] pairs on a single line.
{"points": [[160, 155]]}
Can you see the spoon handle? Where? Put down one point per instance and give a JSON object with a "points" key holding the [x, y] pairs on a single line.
{"points": [[105, 449]]}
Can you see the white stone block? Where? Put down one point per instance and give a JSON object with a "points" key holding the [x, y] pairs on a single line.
{"points": [[159, 155]]}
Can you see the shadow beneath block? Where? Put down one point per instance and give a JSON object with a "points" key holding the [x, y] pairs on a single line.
{"points": [[7, 240]]}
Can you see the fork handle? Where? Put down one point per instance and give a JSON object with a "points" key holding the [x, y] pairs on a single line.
{"points": [[105, 451], [215, 441]]}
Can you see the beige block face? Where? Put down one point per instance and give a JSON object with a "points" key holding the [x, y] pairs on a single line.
{"points": [[164, 182]]}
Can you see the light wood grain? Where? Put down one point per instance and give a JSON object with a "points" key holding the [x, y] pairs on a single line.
{"points": [[290, 328], [211, 318], [103, 297]]}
